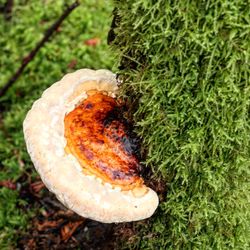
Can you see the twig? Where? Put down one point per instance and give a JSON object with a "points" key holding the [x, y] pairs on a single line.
{"points": [[39, 45], [52, 203], [6, 9]]}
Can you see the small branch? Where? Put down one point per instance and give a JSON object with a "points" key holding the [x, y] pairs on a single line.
{"points": [[8, 9], [39, 45]]}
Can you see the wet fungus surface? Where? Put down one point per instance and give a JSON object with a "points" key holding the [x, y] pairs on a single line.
{"points": [[102, 140]]}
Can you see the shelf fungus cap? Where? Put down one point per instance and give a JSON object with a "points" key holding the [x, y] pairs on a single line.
{"points": [[61, 171]]}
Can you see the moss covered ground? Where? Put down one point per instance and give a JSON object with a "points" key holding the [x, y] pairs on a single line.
{"points": [[186, 66], [69, 49]]}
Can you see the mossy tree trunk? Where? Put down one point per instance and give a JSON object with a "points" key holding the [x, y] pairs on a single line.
{"points": [[186, 63]]}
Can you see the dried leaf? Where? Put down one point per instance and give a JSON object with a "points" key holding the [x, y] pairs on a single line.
{"points": [[72, 64], [37, 186], [69, 229], [93, 41], [8, 184], [42, 226], [31, 244]]}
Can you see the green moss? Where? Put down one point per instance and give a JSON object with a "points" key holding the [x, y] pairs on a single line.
{"points": [[187, 65], [17, 38], [12, 218]]}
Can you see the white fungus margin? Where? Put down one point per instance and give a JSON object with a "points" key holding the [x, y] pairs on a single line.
{"points": [[61, 172]]}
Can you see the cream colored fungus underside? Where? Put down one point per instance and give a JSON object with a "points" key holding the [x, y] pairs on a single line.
{"points": [[61, 172]]}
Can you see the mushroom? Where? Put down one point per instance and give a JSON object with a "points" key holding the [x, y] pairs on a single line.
{"points": [[68, 164]]}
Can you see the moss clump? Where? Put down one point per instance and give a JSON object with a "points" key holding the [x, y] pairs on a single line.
{"points": [[187, 65]]}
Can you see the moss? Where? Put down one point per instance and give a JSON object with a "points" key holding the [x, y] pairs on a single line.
{"points": [[186, 63], [66, 51]]}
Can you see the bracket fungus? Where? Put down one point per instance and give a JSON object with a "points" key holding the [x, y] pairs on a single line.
{"points": [[82, 150]]}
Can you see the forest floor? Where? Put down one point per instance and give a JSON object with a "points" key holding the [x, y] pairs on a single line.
{"points": [[30, 216]]}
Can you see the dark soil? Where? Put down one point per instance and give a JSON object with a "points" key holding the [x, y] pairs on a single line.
{"points": [[56, 227]]}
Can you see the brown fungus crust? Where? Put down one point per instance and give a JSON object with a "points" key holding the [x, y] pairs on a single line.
{"points": [[99, 137]]}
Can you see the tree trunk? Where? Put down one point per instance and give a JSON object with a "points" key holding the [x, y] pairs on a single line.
{"points": [[186, 63]]}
